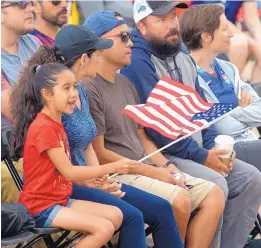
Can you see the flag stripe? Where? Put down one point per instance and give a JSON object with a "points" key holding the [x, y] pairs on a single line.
{"points": [[155, 99], [176, 124], [200, 123], [160, 97], [185, 103], [177, 106], [148, 120], [166, 90], [179, 109], [171, 89], [157, 116], [139, 119], [182, 122]]}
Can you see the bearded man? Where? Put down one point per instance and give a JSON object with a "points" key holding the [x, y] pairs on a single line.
{"points": [[50, 16]]}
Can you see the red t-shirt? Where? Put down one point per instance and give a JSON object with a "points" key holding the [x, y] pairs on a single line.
{"points": [[43, 185]]}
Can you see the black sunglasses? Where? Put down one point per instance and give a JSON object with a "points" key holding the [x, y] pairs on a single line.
{"points": [[56, 3], [21, 4], [124, 35]]}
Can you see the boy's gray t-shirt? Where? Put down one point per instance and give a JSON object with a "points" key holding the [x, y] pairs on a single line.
{"points": [[106, 101]]}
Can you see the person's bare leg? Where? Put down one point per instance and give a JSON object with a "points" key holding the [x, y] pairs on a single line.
{"points": [[182, 210], [202, 228], [255, 51], [238, 53], [242, 48], [111, 213], [99, 229]]}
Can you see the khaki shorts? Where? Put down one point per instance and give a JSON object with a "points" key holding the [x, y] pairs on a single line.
{"points": [[168, 191]]}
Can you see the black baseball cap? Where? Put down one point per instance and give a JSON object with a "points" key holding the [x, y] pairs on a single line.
{"points": [[143, 8], [74, 40]]}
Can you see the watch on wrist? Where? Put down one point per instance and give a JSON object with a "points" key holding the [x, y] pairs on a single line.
{"points": [[167, 164]]}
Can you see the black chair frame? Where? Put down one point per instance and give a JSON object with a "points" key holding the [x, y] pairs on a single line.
{"points": [[17, 240]]}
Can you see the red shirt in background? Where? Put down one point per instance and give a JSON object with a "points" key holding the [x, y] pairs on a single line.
{"points": [[43, 185]]}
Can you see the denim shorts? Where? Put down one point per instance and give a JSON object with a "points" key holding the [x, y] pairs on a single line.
{"points": [[44, 219]]}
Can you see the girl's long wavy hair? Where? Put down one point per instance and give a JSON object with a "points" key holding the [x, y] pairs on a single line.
{"points": [[26, 100]]}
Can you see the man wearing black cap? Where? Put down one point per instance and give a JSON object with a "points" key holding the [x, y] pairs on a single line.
{"points": [[156, 52]]}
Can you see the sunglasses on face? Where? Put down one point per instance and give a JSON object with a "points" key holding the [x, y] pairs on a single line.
{"points": [[56, 3], [124, 35], [21, 4]]}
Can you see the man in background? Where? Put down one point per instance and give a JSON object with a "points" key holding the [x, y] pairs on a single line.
{"points": [[17, 47], [50, 16]]}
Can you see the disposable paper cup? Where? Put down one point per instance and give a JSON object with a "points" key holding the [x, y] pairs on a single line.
{"points": [[225, 142]]}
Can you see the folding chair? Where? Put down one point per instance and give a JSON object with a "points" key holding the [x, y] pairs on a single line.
{"points": [[42, 233], [257, 228], [17, 240]]}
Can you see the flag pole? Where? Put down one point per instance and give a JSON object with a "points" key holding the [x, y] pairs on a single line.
{"points": [[184, 137]]}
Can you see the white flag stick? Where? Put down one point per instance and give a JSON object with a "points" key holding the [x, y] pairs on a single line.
{"points": [[184, 137]]}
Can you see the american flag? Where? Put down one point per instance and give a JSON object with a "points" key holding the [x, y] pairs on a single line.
{"points": [[174, 109]]}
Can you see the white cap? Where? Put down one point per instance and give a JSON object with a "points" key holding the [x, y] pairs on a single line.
{"points": [[143, 8]]}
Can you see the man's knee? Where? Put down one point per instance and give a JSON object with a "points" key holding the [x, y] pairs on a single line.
{"points": [[214, 200], [182, 204], [247, 178], [221, 182], [255, 178]]}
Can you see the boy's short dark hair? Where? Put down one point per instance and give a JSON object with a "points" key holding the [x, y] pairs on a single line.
{"points": [[198, 19]]}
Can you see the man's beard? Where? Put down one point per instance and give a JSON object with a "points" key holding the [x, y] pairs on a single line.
{"points": [[54, 20], [164, 47]]}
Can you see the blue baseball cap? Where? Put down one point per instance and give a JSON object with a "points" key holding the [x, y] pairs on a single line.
{"points": [[102, 22]]}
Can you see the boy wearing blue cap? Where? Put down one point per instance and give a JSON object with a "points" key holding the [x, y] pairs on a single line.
{"points": [[119, 137]]}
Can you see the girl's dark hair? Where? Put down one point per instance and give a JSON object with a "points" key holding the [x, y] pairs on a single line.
{"points": [[198, 19], [26, 98]]}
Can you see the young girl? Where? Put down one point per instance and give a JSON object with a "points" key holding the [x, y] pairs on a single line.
{"points": [[41, 97]]}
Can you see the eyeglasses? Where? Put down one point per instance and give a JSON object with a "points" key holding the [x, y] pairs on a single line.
{"points": [[21, 4], [124, 35]]}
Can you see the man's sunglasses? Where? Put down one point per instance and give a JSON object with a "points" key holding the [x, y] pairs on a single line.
{"points": [[23, 4], [124, 35], [56, 3]]}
